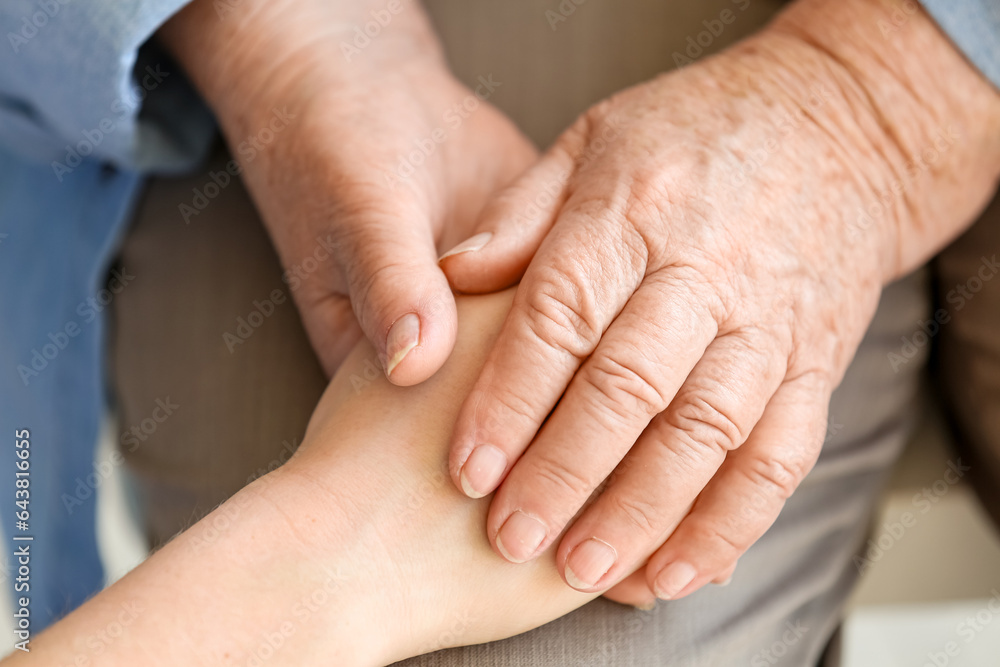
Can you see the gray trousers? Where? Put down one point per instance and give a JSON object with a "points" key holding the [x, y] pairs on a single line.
{"points": [[244, 411]]}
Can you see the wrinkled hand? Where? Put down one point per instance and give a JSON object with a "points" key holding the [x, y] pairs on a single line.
{"points": [[383, 160], [702, 280]]}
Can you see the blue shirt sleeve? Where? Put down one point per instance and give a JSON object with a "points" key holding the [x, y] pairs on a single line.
{"points": [[80, 78], [974, 27]]}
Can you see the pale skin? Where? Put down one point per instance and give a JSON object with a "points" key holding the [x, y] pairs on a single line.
{"points": [[358, 552], [690, 297]]}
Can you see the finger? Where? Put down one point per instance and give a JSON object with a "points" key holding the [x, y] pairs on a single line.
{"points": [[560, 311], [514, 223], [634, 373], [332, 329], [725, 578], [744, 498], [633, 590], [712, 414], [401, 298]]}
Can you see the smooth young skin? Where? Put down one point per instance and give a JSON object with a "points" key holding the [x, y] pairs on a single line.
{"points": [[341, 170], [695, 292], [357, 552]]}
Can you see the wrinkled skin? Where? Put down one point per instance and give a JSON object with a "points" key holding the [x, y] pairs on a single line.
{"points": [[700, 259], [348, 172]]}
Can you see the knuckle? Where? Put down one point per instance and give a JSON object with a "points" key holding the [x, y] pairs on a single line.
{"points": [[623, 388], [560, 480], [561, 313], [779, 478], [638, 514], [651, 192], [724, 544], [503, 406], [701, 419]]}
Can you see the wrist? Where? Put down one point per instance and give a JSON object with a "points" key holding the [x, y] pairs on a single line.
{"points": [[235, 588], [280, 53], [339, 598], [921, 122]]}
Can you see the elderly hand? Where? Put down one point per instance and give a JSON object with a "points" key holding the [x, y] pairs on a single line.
{"points": [[379, 158], [706, 251]]}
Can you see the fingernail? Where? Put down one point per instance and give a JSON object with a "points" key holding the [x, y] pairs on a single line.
{"points": [[646, 607], [470, 244], [673, 579], [725, 582], [520, 537], [404, 335], [588, 562], [482, 470]]}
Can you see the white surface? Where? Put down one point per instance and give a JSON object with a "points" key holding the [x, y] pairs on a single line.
{"points": [[931, 635], [119, 538]]}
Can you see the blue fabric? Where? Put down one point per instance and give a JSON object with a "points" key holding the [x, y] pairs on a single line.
{"points": [[83, 113], [71, 76], [58, 237], [974, 27]]}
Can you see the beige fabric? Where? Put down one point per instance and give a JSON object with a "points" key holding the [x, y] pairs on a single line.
{"points": [[552, 69], [241, 407]]}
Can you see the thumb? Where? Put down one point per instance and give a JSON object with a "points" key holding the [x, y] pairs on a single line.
{"points": [[511, 228], [332, 329], [401, 298]]}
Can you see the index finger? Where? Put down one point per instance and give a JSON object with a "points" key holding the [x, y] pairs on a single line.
{"points": [[574, 288]]}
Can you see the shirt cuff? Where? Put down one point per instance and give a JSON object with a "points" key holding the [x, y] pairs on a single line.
{"points": [[974, 27], [82, 80]]}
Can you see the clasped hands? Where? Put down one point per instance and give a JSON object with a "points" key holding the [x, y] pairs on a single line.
{"points": [[695, 261]]}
